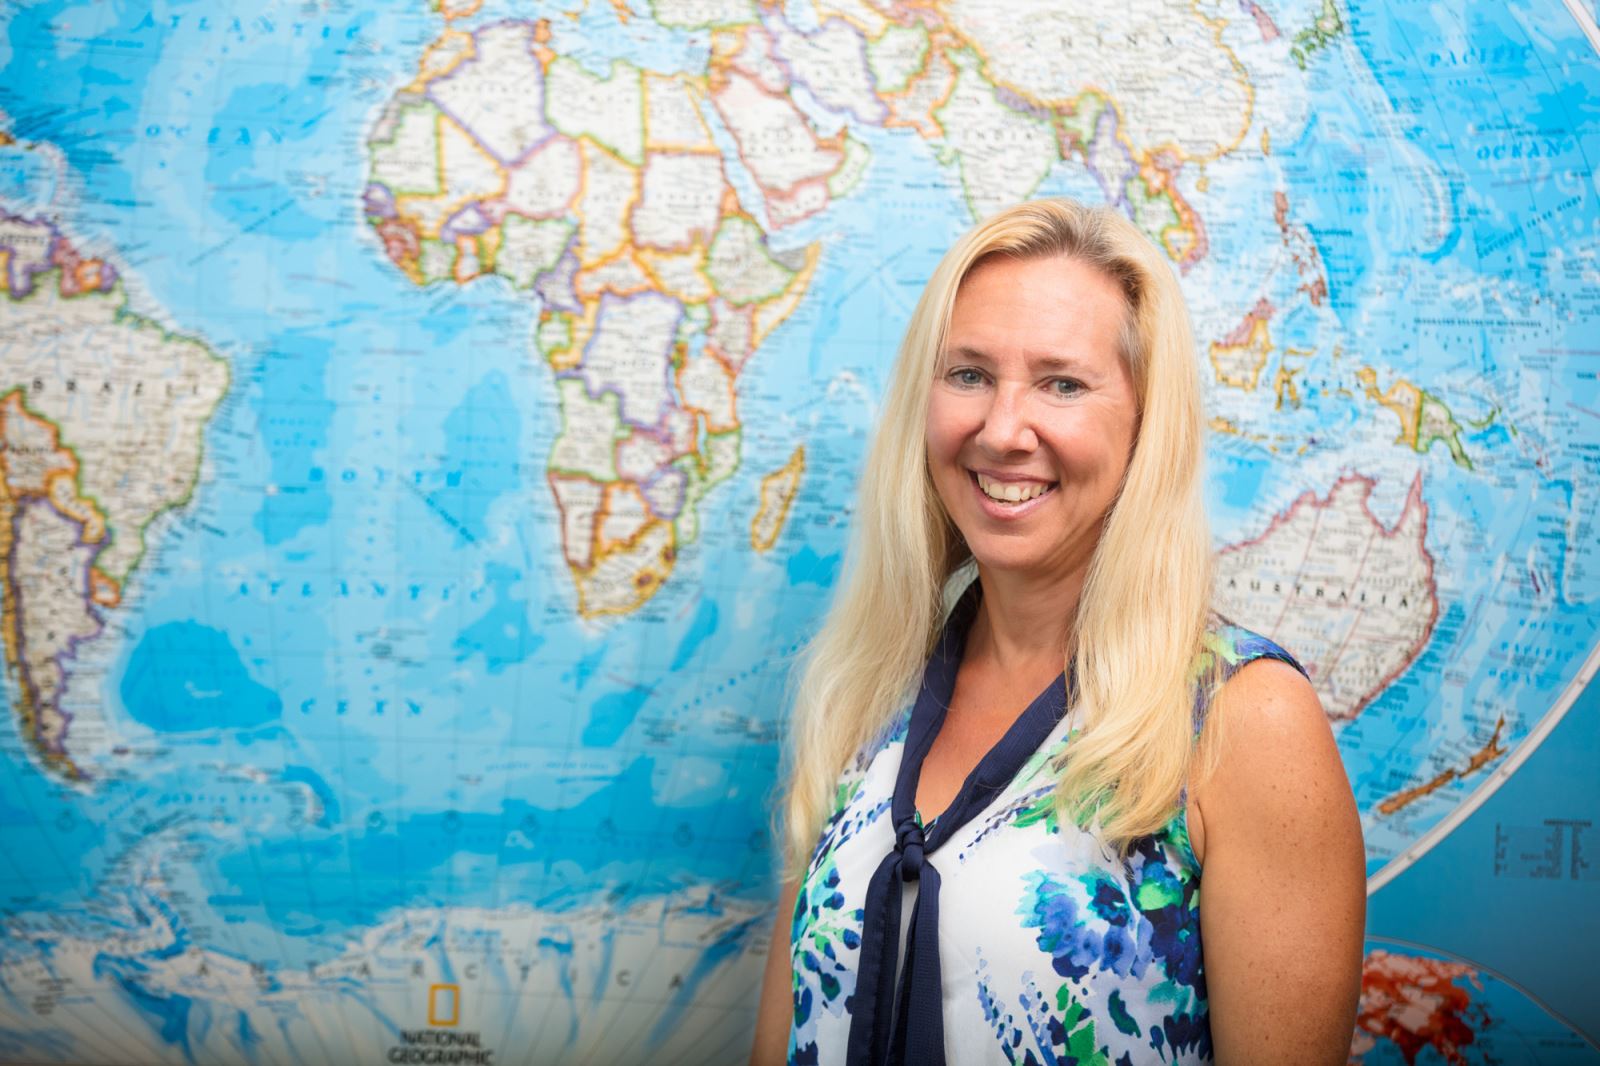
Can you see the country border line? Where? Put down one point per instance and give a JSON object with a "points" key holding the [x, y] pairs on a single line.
{"points": [[1499, 776], [1497, 975], [1585, 22]]}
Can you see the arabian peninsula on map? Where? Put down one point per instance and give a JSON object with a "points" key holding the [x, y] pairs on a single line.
{"points": [[428, 438]]}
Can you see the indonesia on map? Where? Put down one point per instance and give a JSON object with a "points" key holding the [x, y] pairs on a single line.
{"points": [[429, 435]]}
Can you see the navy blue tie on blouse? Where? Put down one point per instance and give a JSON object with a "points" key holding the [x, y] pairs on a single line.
{"points": [[906, 1025]]}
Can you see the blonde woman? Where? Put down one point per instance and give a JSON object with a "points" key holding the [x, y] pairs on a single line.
{"points": [[1022, 734]]}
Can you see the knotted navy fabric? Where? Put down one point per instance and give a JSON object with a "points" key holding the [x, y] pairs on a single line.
{"points": [[906, 1025]]}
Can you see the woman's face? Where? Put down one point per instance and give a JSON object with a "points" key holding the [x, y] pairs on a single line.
{"points": [[1032, 417]]}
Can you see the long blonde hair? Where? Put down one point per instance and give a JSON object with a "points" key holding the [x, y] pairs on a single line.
{"points": [[1145, 599]]}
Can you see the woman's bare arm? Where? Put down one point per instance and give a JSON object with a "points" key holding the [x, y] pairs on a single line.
{"points": [[1283, 893], [776, 1012]]}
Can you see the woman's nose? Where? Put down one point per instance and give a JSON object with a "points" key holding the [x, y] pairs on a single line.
{"points": [[1007, 425]]}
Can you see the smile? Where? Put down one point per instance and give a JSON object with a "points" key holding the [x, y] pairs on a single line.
{"points": [[1011, 492]]}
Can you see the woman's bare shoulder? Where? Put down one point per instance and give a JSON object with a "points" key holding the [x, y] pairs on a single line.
{"points": [[1268, 700], [1277, 771], [1284, 875]]}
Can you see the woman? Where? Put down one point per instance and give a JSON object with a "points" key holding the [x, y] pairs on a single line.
{"points": [[998, 810]]}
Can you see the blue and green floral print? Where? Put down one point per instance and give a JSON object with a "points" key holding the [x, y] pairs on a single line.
{"points": [[1052, 948]]}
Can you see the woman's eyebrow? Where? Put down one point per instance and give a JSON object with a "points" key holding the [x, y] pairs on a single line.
{"points": [[1049, 362], [965, 353], [1040, 361]]}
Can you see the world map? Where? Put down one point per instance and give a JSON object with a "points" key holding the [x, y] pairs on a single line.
{"points": [[429, 436]]}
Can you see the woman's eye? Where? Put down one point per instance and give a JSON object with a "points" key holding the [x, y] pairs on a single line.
{"points": [[967, 377], [1066, 387]]}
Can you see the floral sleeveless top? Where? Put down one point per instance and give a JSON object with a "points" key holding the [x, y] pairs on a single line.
{"points": [[1052, 949]]}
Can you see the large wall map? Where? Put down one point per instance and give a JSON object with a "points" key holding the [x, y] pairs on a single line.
{"points": [[428, 437]]}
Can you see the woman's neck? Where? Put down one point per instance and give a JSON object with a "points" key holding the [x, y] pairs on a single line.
{"points": [[1023, 622]]}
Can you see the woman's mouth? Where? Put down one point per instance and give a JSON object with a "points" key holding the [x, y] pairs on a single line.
{"points": [[1011, 493]]}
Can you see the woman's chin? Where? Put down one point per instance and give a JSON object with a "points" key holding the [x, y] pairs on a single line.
{"points": [[1008, 560]]}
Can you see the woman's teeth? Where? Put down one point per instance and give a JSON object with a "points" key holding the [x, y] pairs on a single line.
{"points": [[1013, 491]]}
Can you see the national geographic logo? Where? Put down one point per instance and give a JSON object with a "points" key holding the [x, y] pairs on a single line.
{"points": [[442, 1044]]}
